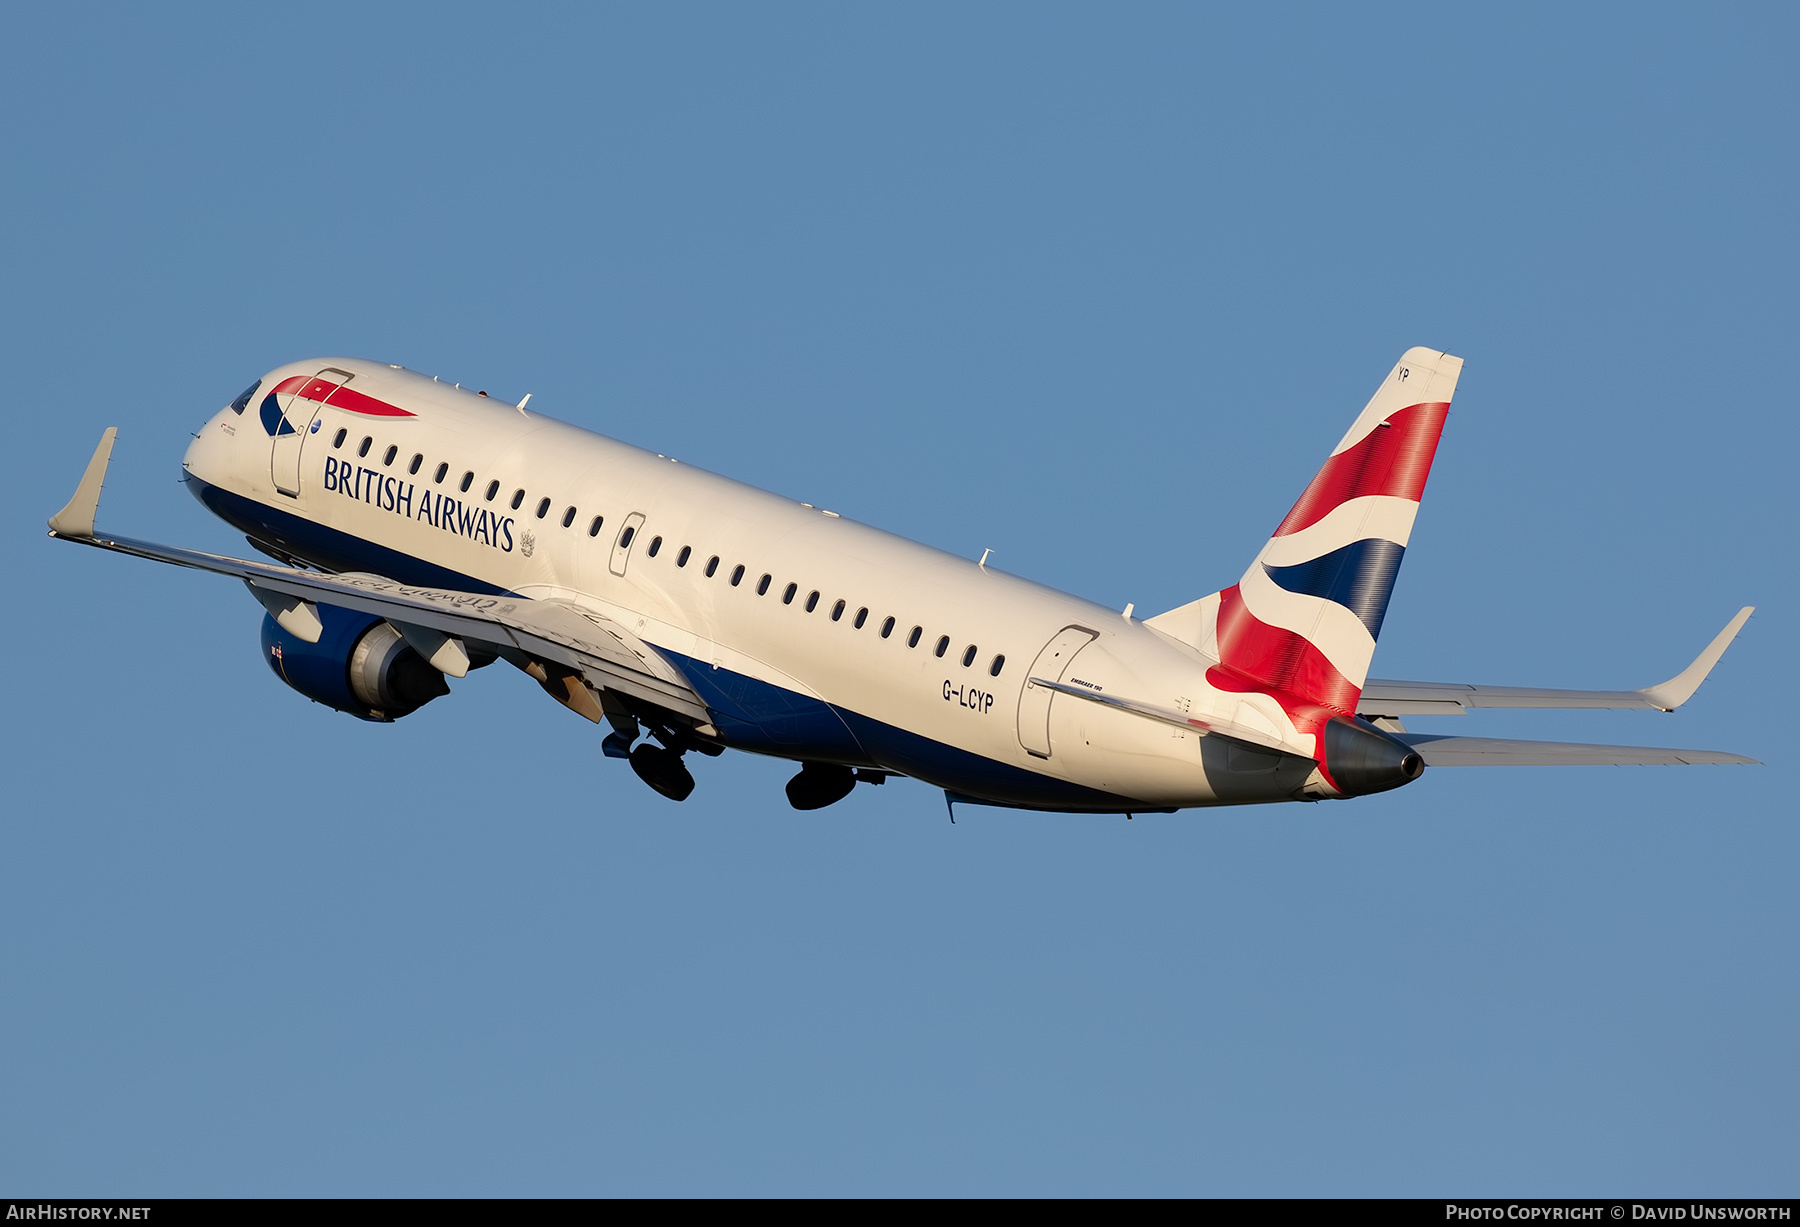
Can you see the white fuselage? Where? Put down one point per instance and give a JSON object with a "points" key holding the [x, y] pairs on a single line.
{"points": [[913, 703]]}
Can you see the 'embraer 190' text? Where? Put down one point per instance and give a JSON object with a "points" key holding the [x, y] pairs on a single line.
{"points": [[403, 498]]}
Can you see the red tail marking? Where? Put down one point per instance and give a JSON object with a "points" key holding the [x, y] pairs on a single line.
{"points": [[1277, 658], [1394, 460]]}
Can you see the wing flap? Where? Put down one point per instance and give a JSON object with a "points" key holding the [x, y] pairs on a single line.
{"points": [[1439, 751]]}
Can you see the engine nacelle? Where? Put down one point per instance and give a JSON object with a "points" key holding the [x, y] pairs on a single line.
{"points": [[360, 665], [1362, 759]]}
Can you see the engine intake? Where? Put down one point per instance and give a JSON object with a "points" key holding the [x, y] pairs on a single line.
{"points": [[360, 665]]}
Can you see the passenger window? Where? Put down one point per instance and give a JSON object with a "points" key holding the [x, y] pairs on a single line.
{"points": [[388, 456], [999, 664], [812, 602], [787, 598], [912, 640], [243, 398], [337, 440], [626, 536], [493, 489], [712, 565], [568, 517], [887, 628], [364, 449], [862, 615], [837, 611], [762, 585], [687, 552], [594, 528], [655, 545], [543, 509], [943, 645], [969, 656], [467, 481], [518, 495], [737, 575], [417, 460], [442, 469]]}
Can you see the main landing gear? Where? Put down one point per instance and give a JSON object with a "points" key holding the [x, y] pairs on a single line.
{"points": [[822, 784], [658, 766], [663, 770]]}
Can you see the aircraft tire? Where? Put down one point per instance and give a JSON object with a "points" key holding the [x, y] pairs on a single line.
{"points": [[663, 770], [819, 785]]}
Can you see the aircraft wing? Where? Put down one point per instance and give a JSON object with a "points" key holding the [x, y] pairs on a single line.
{"points": [[437, 622], [1440, 751], [1381, 697]]}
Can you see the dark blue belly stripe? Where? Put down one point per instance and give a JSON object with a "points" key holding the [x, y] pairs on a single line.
{"points": [[327, 547], [765, 718], [976, 777]]}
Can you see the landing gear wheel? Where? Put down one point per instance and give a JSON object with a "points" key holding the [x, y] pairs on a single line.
{"points": [[819, 785], [663, 770]]}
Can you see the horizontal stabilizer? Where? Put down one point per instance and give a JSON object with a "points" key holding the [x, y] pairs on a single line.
{"points": [[1499, 752], [1382, 697]]}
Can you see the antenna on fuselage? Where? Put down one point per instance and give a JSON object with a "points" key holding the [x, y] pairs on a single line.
{"points": [[984, 557], [521, 405]]}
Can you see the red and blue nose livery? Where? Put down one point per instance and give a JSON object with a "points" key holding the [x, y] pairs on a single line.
{"points": [[300, 396]]}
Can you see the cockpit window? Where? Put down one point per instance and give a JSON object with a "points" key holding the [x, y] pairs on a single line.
{"points": [[244, 397]]}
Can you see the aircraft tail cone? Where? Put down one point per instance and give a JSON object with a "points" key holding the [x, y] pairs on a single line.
{"points": [[1362, 759]]}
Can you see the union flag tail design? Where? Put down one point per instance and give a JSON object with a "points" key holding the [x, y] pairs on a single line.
{"points": [[1304, 618]]}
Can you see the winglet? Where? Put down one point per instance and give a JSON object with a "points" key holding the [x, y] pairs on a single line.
{"points": [[77, 519], [1680, 688]]}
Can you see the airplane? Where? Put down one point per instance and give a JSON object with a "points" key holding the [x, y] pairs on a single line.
{"points": [[419, 530]]}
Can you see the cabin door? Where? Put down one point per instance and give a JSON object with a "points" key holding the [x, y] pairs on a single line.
{"points": [[1034, 701]]}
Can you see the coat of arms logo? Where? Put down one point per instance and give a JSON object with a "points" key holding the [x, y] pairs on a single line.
{"points": [[527, 543]]}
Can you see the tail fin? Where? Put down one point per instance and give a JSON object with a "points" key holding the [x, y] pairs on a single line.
{"points": [[1305, 616]]}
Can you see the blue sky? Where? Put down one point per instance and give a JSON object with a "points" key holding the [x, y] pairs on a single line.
{"points": [[1096, 288]]}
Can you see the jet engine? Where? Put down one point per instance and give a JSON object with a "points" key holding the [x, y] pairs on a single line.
{"points": [[360, 665], [1362, 759]]}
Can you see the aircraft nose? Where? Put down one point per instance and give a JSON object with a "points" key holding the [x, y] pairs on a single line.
{"points": [[210, 449]]}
